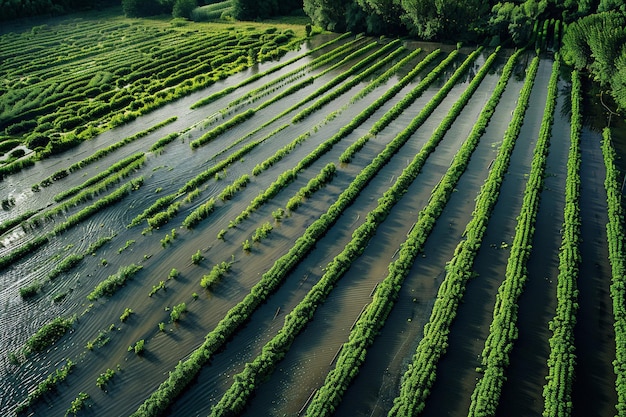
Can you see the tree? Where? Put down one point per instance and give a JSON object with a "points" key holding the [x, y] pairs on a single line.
{"points": [[183, 8], [139, 8], [328, 14]]}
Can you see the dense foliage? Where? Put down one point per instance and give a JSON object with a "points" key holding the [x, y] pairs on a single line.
{"points": [[597, 43], [13, 9]]}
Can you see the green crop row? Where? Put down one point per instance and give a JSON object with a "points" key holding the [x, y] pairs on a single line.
{"points": [[616, 232], [418, 380], [71, 221], [187, 370], [111, 284], [288, 176], [230, 191], [160, 144], [296, 73], [503, 330], [48, 335], [557, 391], [335, 81], [320, 180], [11, 223], [199, 214], [215, 132], [217, 273], [104, 152], [367, 326]]}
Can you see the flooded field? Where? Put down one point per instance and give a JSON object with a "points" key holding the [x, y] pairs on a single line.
{"points": [[261, 274]]}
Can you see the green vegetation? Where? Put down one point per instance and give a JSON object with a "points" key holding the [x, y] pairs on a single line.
{"points": [[126, 314], [324, 177], [177, 312], [561, 365], [615, 230], [80, 402], [48, 335], [109, 286], [105, 377], [214, 277], [420, 377]]}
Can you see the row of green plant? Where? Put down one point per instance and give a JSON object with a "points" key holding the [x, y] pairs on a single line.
{"points": [[215, 132], [136, 88], [161, 143], [328, 57], [320, 180], [257, 76], [503, 329], [87, 194], [48, 335], [11, 223], [110, 285], [202, 212], [230, 190], [399, 107], [616, 232], [557, 391], [373, 317], [187, 370], [236, 397], [104, 378], [281, 153], [46, 386], [419, 378], [218, 271]]}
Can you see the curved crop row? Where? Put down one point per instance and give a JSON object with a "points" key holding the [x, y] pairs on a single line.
{"points": [[419, 378], [187, 370], [103, 152], [503, 330], [369, 323], [558, 389], [616, 233], [163, 217]]}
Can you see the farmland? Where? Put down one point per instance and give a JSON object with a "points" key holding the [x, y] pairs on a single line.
{"points": [[234, 219]]}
